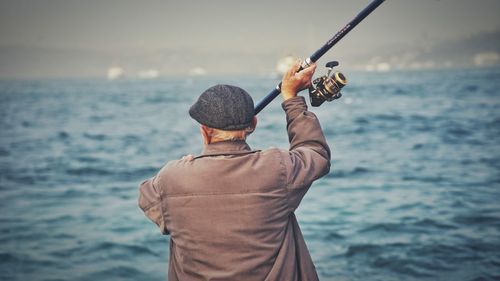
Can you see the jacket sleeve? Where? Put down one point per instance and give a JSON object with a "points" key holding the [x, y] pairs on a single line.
{"points": [[150, 203], [308, 158]]}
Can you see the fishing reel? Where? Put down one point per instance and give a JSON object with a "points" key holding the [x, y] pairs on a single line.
{"points": [[327, 88]]}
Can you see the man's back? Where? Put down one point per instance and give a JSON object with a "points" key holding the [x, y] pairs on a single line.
{"points": [[227, 215]]}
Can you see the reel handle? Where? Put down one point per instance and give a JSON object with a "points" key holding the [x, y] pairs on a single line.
{"points": [[332, 64]]}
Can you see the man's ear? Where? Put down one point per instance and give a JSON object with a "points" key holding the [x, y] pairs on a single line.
{"points": [[254, 122], [205, 134], [252, 126]]}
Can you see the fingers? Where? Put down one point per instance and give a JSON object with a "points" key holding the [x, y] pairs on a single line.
{"points": [[293, 69], [306, 74], [310, 69], [296, 65]]}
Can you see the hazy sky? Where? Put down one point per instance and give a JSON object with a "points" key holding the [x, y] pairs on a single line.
{"points": [[220, 35]]}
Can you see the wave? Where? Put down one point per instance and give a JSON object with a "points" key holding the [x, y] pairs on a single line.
{"points": [[424, 146], [6, 258], [384, 227], [28, 262], [4, 152], [420, 226], [100, 118], [426, 179], [117, 273], [58, 219], [95, 137], [362, 121], [357, 171], [371, 249], [105, 250], [331, 235], [458, 132], [63, 135], [120, 247], [430, 223], [88, 159], [405, 207], [25, 179], [387, 117], [421, 261], [477, 219], [122, 174], [89, 171], [404, 266]]}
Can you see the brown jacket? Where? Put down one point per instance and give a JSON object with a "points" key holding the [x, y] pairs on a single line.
{"points": [[230, 211]]}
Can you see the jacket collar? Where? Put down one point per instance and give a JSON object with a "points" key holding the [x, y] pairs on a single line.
{"points": [[226, 148]]}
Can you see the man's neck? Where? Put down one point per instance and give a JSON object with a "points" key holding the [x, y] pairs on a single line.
{"points": [[215, 140]]}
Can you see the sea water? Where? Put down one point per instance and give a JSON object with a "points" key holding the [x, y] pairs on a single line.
{"points": [[413, 193]]}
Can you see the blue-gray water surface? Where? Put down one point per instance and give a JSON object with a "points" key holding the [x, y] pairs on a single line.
{"points": [[413, 193]]}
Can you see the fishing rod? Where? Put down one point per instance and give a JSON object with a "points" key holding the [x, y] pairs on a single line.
{"points": [[326, 88]]}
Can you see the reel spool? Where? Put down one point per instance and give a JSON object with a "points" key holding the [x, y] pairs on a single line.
{"points": [[327, 88]]}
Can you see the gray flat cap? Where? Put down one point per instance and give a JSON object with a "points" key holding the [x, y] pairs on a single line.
{"points": [[224, 107]]}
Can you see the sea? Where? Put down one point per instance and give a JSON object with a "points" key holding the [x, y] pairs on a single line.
{"points": [[413, 193]]}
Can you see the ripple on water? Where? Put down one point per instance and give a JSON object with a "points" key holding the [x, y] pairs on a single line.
{"points": [[88, 171], [477, 220], [96, 137], [104, 251], [118, 273], [408, 267], [4, 152], [370, 250], [357, 171]]}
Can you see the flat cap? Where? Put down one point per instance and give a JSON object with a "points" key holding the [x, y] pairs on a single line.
{"points": [[223, 107]]}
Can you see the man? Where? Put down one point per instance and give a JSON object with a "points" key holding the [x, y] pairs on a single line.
{"points": [[230, 211]]}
